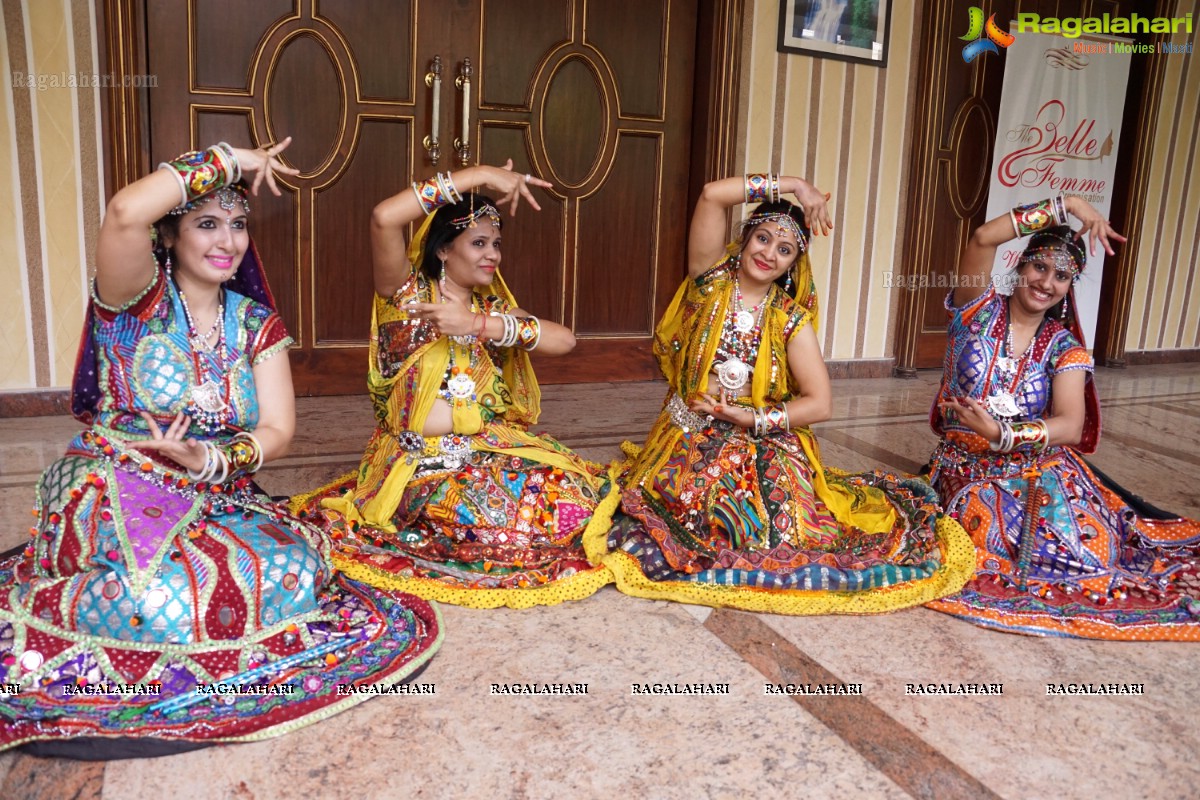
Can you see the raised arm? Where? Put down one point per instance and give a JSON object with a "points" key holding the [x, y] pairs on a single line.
{"points": [[709, 233], [975, 265], [389, 250], [124, 265]]}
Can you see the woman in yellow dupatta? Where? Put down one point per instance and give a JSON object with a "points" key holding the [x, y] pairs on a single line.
{"points": [[728, 503], [454, 499]]}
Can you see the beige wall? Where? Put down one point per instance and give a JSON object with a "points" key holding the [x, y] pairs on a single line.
{"points": [[845, 127], [50, 186], [1165, 312]]}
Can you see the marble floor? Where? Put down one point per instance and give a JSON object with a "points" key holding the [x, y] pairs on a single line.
{"points": [[465, 742]]}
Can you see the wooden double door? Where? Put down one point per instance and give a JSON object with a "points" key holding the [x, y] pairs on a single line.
{"points": [[593, 95]]}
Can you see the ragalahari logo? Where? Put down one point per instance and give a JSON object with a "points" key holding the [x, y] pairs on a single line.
{"points": [[979, 43]]}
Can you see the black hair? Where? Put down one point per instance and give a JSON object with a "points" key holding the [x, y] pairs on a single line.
{"points": [[797, 214], [442, 231]]}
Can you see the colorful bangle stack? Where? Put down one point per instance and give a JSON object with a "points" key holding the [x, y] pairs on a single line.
{"points": [[436, 192], [770, 419], [216, 466], [529, 332], [201, 172], [761, 187], [1036, 434], [1031, 218], [243, 455], [244, 452]]}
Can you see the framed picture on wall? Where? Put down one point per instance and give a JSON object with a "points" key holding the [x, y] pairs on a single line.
{"points": [[850, 30]]}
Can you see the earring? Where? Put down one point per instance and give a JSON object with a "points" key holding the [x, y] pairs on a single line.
{"points": [[167, 265], [442, 279], [1066, 309], [787, 287]]}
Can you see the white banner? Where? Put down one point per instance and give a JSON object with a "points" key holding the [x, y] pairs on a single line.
{"points": [[1058, 131]]}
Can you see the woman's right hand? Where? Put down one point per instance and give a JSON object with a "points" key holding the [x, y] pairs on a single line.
{"points": [[1095, 225], [173, 443], [509, 185], [816, 206], [264, 164], [973, 414]]}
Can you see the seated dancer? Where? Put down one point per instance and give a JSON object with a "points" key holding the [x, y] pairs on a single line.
{"points": [[1060, 549], [728, 503], [454, 500], [163, 596]]}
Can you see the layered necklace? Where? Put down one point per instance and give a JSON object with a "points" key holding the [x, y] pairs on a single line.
{"points": [[1009, 375], [740, 336], [207, 404], [460, 385]]}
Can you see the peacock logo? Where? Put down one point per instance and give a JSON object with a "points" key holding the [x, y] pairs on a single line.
{"points": [[983, 38]]}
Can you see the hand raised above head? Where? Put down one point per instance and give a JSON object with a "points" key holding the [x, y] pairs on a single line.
{"points": [[263, 162], [1097, 228], [511, 186]]}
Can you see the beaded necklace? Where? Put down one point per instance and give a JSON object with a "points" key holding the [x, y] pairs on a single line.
{"points": [[207, 404], [459, 383], [740, 336], [1007, 381]]}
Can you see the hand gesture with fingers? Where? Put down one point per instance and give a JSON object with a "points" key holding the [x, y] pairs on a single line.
{"points": [[1097, 228], [189, 453], [264, 164], [719, 408], [450, 319], [973, 414], [512, 186]]}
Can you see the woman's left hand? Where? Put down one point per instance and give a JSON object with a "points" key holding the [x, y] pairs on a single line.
{"points": [[974, 415], [189, 453], [450, 319], [719, 408]]}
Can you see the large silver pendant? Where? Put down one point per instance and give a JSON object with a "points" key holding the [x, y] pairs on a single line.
{"points": [[733, 374], [207, 397], [743, 322], [455, 450], [461, 386], [1003, 404]]}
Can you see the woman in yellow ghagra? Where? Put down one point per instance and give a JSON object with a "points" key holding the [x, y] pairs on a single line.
{"points": [[454, 499], [728, 503]]}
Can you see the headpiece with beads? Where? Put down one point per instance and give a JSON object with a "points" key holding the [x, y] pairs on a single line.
{"points": [[784, 221]]}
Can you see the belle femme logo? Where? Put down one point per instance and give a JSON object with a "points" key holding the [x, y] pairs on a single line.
{"points": [[990, 38]]}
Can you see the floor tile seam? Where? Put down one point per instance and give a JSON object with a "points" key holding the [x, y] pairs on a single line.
{"points": [[872, 451], [884, 742], [1130, 441], [1175, 409]]}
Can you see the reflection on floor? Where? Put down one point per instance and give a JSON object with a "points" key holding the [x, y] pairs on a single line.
{"points": [[466, 742]]}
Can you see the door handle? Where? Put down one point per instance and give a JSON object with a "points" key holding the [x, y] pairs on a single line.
{"points": [[463, 83], [433, 79]]}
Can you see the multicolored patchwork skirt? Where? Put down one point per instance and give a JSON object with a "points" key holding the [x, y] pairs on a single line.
{"points": [[730, 520], [1093, 567], [497, 530], [145, 606]]}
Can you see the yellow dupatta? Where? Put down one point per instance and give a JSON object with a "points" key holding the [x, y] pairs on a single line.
{"points": [[404, 398], [685, 344]]}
